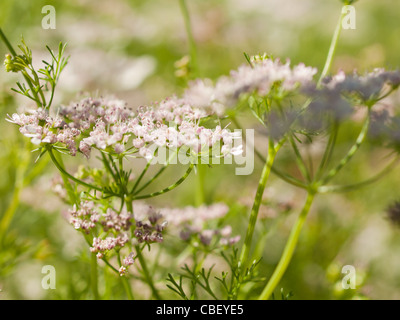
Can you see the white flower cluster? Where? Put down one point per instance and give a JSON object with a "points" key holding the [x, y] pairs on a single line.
{"points": [[109, 125], [258, 77]]}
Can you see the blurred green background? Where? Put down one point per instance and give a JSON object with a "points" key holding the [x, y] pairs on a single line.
{"points": [[129, 48]]}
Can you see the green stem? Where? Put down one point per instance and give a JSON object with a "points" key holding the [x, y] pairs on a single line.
{"points": [[285, 177], [299, 159], [200, 195], [7, 43], [141, 176], [272, 150], [332, 48], [19, 184], [189, 33], [154, 177], [350, 187], [171, 187], [142, 262], [94, 276], [26, 77], [64, 172], [360, 139], [328, 151], [146, 273], [128, 288], [110, 265], [288, 251], [108, 167]]}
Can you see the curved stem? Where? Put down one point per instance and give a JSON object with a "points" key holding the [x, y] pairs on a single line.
{"points": [[63, 171], [360, 139], [299, 159], [107, 166], [328, 151], [110, 265], [146, 273], [332, 48], [28, 81], [171, 187], [288, 251], [157, 174], [189, 33], [141, 176], [350, 187], [285, 177], [272, 150]]}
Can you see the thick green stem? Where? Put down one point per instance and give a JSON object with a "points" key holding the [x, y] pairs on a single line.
{"points": [[200, 194], [288, 251]]}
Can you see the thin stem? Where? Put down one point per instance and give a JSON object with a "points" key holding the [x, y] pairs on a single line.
{"points": [[146, 273], [63, 171], [272, 150], [350, 187], [94, 276], [122, 175], [288, 251], [128, 288], [141, 176], [107, 166], [38, 84], [299, 159], [7, 43], [328, 151], [171, 187], [200, 194], [360, 139], [125, 282], [14, 54], [189, 33], [110, 265], [142, 262], [285, 177], [332, 48], [154, 177]]}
